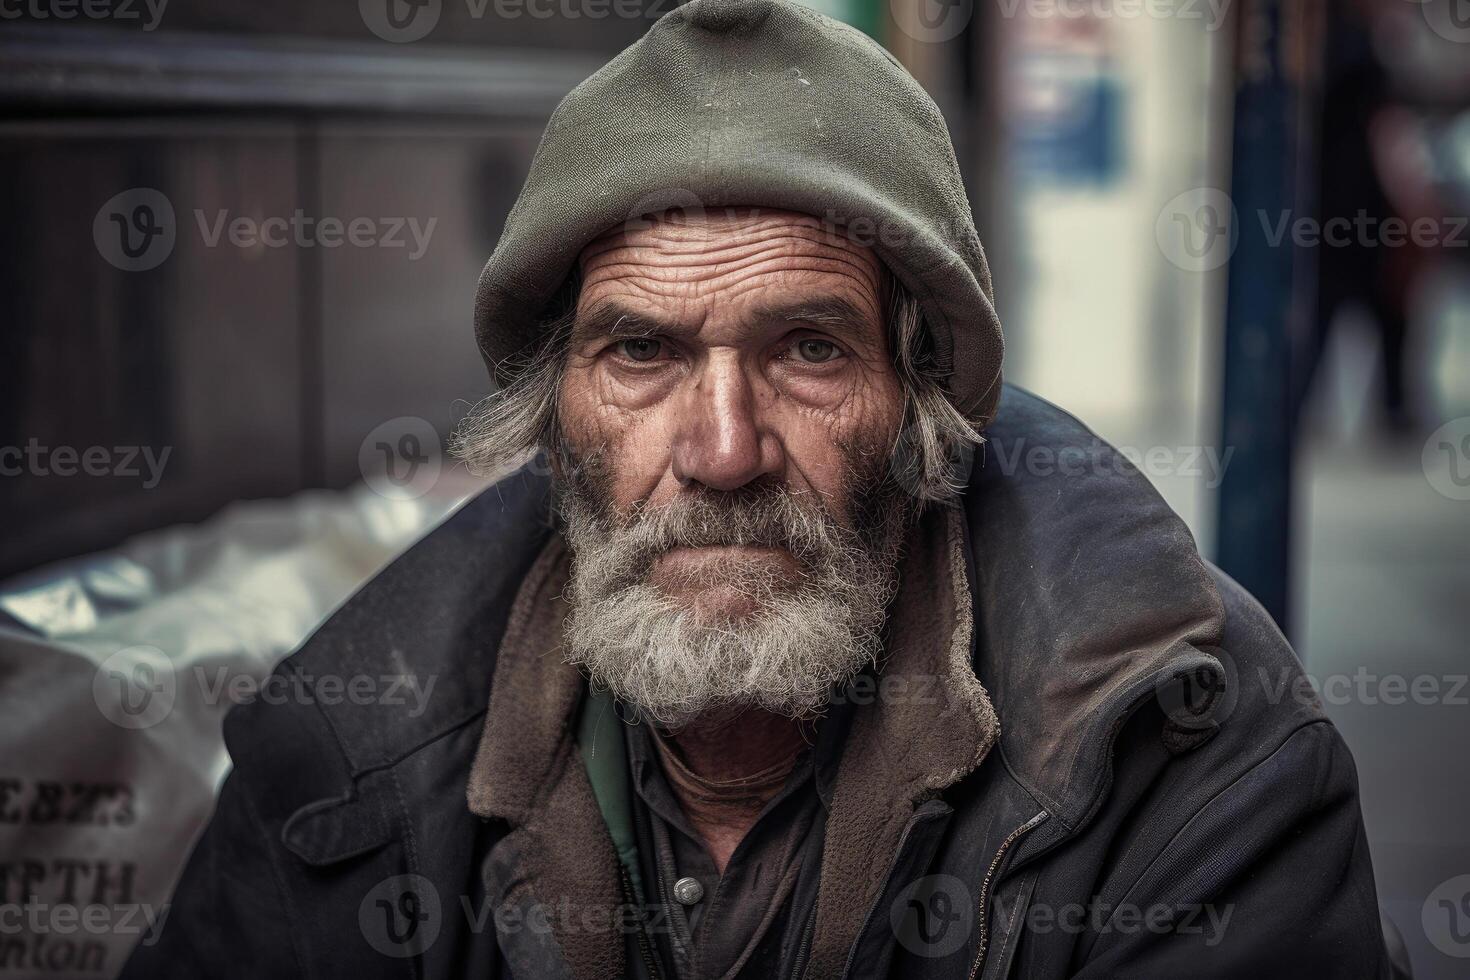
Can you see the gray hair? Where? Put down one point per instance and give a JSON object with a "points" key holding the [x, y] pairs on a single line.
{"points": [[930, 457]]}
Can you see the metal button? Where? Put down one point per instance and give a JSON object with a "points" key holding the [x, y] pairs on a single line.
{"points": [[688, 891]]}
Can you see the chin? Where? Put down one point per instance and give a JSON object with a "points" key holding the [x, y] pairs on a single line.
{"points": [[721, 604], [725, 585]]}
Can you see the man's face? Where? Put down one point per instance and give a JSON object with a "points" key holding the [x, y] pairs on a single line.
{"points": [[724, 351], [729, 403]]}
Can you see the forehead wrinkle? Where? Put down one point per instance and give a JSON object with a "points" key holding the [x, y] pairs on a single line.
{"points": [[688, 282], [716, 232], [723, 255], [736, 242]]}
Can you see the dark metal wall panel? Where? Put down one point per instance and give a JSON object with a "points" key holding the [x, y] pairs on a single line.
{"points": [[397, 326], [183, 357], [588, 25]]}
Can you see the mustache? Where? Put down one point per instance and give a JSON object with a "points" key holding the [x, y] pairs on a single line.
{"points": [[764, 513], [770, 516]]}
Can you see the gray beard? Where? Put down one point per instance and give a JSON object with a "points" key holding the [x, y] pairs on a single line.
{"points": [[675, 664]]}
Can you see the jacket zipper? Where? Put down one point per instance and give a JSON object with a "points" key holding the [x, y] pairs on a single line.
{"points": [[799, 963], [985, 885], [649, 962]]}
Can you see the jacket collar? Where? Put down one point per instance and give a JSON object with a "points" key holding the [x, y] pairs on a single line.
{"points": [[929, 726], [1091, 600], [529, 774]]}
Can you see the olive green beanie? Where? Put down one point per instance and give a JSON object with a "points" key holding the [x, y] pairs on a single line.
{"points": [[753, 103]]}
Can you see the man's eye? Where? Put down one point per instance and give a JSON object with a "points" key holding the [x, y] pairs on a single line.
{"points": [[815, 351], [639, 348]]}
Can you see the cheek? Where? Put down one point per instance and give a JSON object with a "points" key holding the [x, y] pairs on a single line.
{"points": [[821, 444], [635, 445]]}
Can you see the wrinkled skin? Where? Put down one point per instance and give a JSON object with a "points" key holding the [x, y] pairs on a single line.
{"points": [[722, 350]]}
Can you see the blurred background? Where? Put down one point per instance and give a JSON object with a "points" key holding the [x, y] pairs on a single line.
{"points": [[239, 249]]}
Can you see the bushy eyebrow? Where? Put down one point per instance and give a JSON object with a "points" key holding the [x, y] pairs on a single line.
{"points": [[614, 320], [831, 311]]}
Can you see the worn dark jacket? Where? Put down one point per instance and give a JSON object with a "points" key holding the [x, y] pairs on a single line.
{"points": [[1134, 792]]}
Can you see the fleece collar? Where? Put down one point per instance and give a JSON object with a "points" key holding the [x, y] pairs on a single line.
{"points": [[926, 725]]}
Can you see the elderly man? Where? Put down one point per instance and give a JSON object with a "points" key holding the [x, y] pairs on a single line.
{"points": [[768, 669]]}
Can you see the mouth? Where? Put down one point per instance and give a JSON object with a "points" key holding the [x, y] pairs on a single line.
{"points": [[687, 558], [722, 575]]}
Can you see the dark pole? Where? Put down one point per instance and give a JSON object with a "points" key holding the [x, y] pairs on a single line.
{"points": [[1263, 303]]}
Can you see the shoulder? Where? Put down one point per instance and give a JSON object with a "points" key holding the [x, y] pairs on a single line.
{"points": [[407, 658]]}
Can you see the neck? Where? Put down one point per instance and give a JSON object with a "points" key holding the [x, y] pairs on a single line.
{"points": [[724, 771]]}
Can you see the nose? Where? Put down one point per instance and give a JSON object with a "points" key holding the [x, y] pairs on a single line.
{"points": [[719, 438]]}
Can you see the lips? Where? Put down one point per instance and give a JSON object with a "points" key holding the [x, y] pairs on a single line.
{"points": [[708, 568]]}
